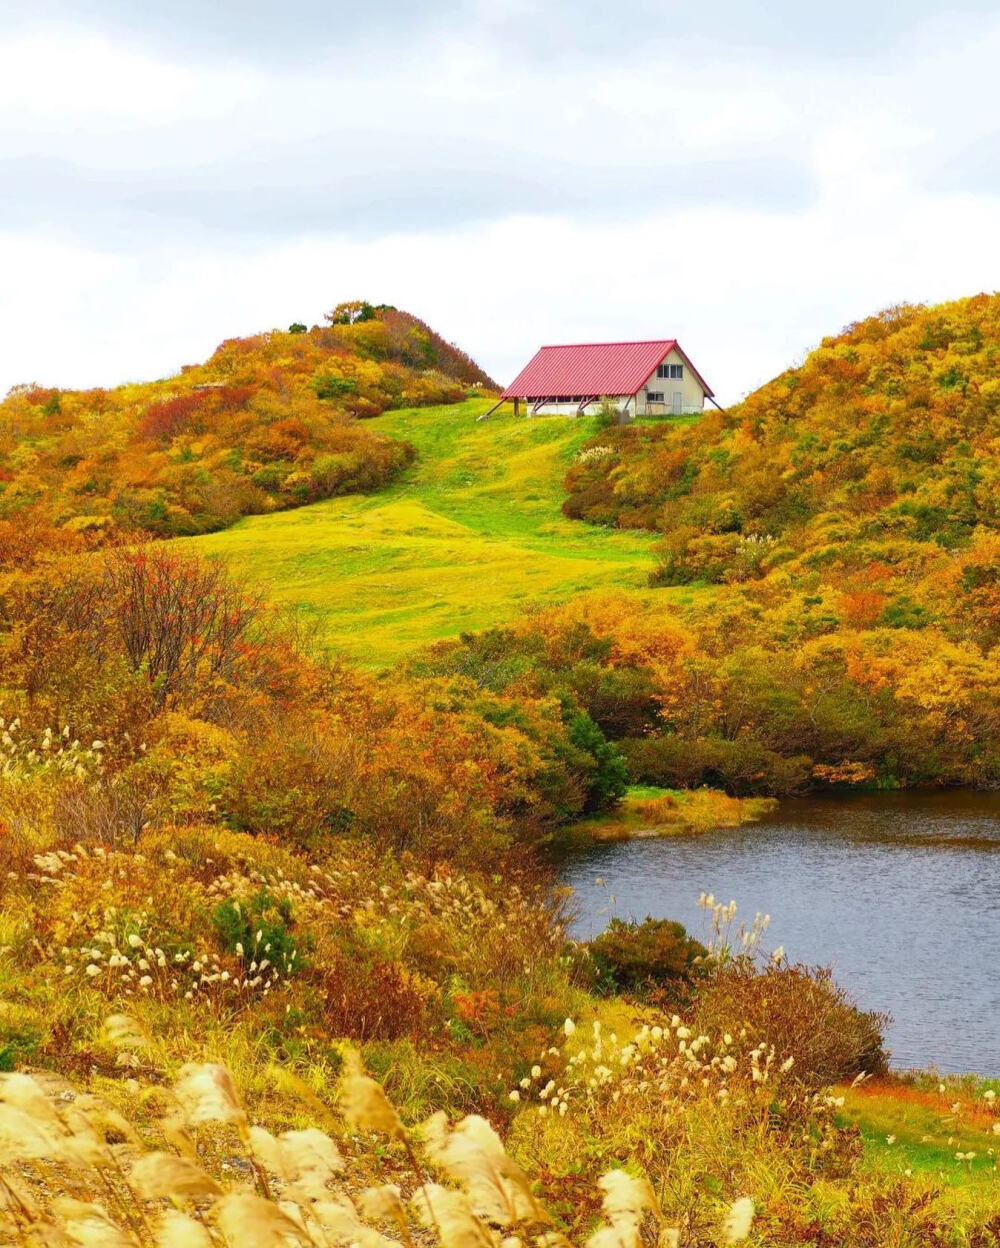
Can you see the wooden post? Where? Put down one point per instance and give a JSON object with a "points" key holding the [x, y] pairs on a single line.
{"points": [[487, 415], [517, 407]]}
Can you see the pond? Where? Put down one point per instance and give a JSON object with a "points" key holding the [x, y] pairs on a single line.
{"points": [[898, 893]]}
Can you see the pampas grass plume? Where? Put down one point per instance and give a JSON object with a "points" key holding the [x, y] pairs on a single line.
{"points": [[382, 1202], [457, 1225], [163, 1174], [87, 1224], [22, 1137], [625, 1196], [23, 1092], [123, 1032], [177, 1230], [367, 1108], [739, 1220], [207, 1094], [310, 1152], [249, 1221]]}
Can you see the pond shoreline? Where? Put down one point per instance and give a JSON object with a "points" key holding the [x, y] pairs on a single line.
{"points": [[897, 892]]}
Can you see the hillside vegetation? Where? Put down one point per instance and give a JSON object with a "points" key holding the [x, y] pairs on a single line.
{"points": [[469, 536], [268, 422], [888, 433], [845, 517]]}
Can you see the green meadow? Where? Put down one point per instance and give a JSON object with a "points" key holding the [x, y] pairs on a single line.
{"points": [[912, 1127], [470, 536]]}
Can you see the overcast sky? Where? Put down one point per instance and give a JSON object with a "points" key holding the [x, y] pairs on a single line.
{"points": [[744, 176]]}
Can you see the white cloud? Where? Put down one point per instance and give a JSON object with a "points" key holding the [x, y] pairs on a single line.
{"points": [[59, 81], [747, 274]]}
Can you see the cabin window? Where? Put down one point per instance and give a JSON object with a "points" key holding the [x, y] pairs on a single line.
{"points": [[676, 371], [670, 371], [663, 370], [654, 396]]}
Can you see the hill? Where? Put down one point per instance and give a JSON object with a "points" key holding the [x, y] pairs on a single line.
{"points": [[837, 536], [835, 601], [886, 436], [470, 535], [268, 422]]}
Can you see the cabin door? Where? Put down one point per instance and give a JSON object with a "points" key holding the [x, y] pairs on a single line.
{"points": [[678, 403]]}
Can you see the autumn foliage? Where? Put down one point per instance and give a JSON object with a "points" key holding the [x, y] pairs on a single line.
{"points": [[212, 708], [887, 434], [219, 845], [846, 516], [268, 422]]}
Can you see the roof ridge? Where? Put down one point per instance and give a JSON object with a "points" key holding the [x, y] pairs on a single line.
{"points": [[624, 342]]}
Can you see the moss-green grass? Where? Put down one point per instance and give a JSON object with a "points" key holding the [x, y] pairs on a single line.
{"points": [[906, 1128], [471, 535]]}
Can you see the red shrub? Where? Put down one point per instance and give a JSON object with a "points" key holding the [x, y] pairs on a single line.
{"points": [[164, 421]]}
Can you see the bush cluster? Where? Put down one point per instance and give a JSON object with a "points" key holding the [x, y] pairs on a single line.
{"points": [[655, 959], [845, 517], [713, 693]]}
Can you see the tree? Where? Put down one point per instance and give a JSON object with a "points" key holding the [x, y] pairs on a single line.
{"points": [[351, 312]]}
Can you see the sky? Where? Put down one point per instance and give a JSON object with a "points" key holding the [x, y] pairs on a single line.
{"points": [[744, 176]]}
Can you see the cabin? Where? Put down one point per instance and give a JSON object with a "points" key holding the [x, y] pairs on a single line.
{"points": [[640, 378]]}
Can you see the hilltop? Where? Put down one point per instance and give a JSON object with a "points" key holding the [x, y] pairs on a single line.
{"points": [[268, 422], [824, 609]]}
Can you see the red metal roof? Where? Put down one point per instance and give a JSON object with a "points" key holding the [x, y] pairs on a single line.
{"points": [[593, 368]]}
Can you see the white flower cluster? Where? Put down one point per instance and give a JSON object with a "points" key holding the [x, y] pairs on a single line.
{"points": [[727, 940], [53, 752], [124, 957], [592, 454], [669, 1059]]}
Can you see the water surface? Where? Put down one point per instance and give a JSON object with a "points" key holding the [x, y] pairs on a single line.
{"points": [[897, 893]]}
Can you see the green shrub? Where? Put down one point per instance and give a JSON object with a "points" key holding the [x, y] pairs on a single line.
{"points": [[743, 768], [260, 927], [903, 612], [331, 387], [688, 556], [608, 414], [17, 1046], [655, 959], [608, 780], [270, 477]]}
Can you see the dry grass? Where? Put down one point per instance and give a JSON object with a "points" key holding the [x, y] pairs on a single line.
{"points": [[74, 1169], [190, 1008], [145, 1140], [260, 955]]}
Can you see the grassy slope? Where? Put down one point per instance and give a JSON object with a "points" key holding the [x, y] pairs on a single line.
{"points": [[471, 535]]}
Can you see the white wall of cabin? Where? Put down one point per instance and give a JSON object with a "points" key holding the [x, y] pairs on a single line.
{"points": [[692, 395]]}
